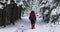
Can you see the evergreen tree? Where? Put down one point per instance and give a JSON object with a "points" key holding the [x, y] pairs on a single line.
{"points": [[14, 11], [20, 10]]}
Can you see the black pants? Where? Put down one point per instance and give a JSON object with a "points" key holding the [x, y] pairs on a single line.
{"points": [[33, 24], [32, 21]]}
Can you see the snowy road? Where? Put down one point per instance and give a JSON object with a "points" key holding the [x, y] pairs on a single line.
{"points": [[23, 25]]}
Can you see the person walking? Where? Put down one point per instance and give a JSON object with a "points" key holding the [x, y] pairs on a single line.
{"points": [[32, 18]]}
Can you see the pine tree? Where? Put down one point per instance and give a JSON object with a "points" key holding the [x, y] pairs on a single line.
{"points": [[20, 10], [14, 11]]}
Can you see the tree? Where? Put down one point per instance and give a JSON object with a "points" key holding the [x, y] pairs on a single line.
{"points": [[57, 2], [14, 11], [55, 18], [20, 10], [4, 14], [46, 17]]}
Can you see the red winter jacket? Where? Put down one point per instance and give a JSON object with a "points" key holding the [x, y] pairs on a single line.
{"points": [[32, 15]]}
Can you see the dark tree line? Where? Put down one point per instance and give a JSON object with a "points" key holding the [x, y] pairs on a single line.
{"points": [[9, 13]]}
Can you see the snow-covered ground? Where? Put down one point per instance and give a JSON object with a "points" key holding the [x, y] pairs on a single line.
{"points": [[23, 25]]}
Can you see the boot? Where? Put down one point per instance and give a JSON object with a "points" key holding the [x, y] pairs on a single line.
{"points": [[33, 26]]}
